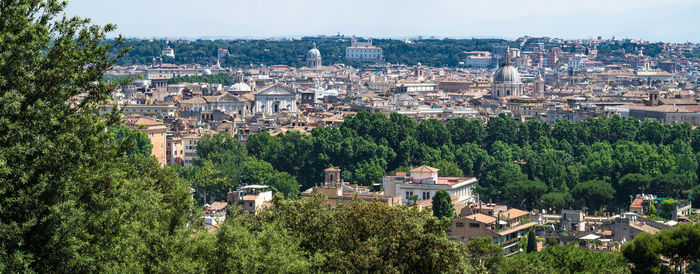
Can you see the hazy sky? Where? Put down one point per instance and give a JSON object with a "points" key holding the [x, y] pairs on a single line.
{"points": [[395, 18]]}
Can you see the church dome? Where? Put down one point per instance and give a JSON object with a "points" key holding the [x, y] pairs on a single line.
{"points": [[239, 87], [313, 53], [206, 72], [507, 74]]}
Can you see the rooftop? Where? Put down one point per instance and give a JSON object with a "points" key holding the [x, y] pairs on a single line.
{"points": [[482, 218]]}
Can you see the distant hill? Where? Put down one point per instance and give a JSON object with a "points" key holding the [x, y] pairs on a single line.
{"points": [[434, 52]]}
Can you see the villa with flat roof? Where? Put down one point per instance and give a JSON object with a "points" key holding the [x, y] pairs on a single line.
{"points": [[424, 182]]}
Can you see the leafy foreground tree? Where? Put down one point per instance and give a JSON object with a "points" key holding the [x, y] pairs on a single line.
{"points": [[366, 237], [72, 201], [680, 246], [137, 140]]}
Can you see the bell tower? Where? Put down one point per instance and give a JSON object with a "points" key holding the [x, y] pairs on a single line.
{"points": [[331, 177]]}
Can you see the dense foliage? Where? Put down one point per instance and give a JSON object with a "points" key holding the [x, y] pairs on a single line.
{"points": [[76, 197], [680, 246], [594, 164], [219, 78], [223, 165], [442, 205], [433, 52], [566, 259]]}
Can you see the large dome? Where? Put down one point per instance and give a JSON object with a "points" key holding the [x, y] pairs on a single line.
{"points": [[313, 53], [507, 74], [239, 87]]}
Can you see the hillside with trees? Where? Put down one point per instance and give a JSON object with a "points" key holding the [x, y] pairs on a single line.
{"points": [[243, 53], [595, 164]]}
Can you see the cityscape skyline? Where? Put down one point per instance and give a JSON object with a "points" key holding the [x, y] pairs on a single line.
{"points": [[649, 20]]}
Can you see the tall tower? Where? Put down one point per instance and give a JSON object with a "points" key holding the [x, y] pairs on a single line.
{"points": [[539, 86], [313, 58], [331, 177]]}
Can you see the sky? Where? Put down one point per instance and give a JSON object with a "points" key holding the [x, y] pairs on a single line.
{"points": [[655, 20]]}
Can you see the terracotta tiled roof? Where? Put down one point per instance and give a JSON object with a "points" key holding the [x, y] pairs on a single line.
{"points": [[482, 218], [250, 198], [218, 205], [514, 213], [131, 122], [637, 203]]}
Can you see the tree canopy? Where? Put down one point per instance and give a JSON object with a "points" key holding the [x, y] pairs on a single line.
{"points": [[74, 197]]}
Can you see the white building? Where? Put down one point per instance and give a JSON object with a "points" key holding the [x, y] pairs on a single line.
{"points": [[251, 198], [577, 61], [478, 59], [424, 182], [275, 99], [364, 52], [168, 51]]}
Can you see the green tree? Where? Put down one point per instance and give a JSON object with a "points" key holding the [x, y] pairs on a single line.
{"points": [[466, 131], [368, 236], [269, 249], [556, 200], [524, 193], [630, 185], [71, 200], [680, 245], [447, 169], [219, 78], [594, 194], [531, 242], [259, 172], [470, 158], [491, 184], [433, 133], [442, 205], [502, 129], [670, 185], [136, 141], [485, 255], [667, 207], [566, 259], [652, 209]]}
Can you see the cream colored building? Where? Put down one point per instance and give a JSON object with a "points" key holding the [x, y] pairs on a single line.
{"points": [[424, 182], [156, 133], [340, 193]]}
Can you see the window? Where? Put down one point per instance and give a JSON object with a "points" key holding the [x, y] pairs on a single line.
{"points": [[409, 194], [426, 195], [460, 224], [250, 204], [473, 225]]}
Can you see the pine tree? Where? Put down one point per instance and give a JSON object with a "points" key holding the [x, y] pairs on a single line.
{"points": [[531, 242]]}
